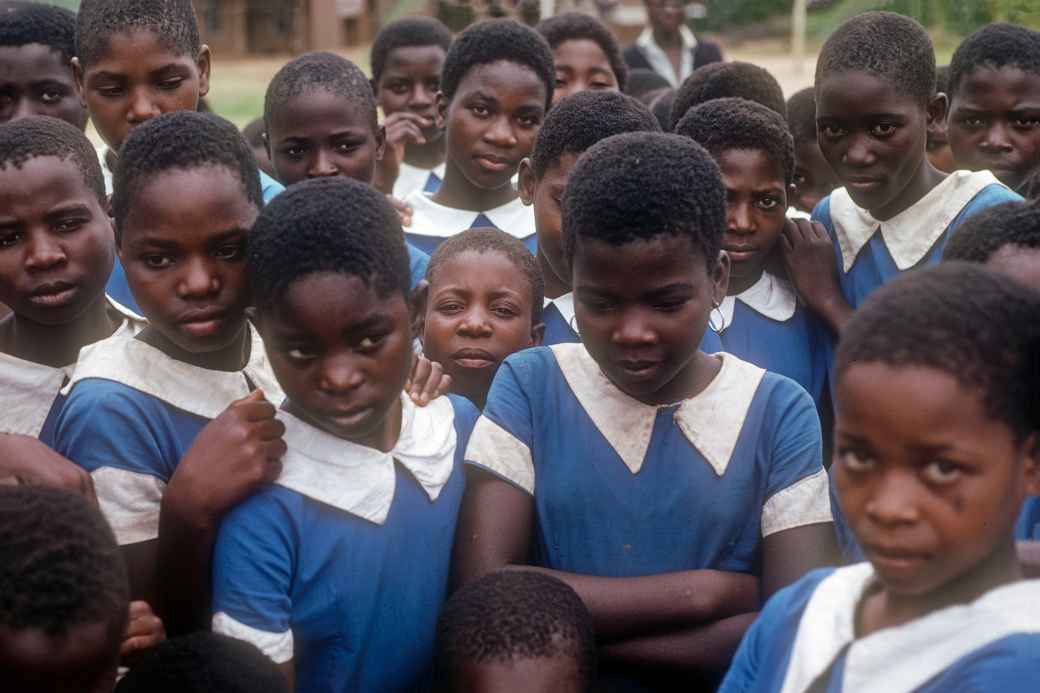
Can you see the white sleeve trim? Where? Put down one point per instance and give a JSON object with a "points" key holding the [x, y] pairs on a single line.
{"points": [[493, 447], [805, 502], [130, 501], [276, 646]]}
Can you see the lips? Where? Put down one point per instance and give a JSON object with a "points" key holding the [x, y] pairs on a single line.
{"points": [[863, 184], [53, 294], [494, 163], [474, 358], [895, 560], [740, 253], [638, 368], [202, 322]]}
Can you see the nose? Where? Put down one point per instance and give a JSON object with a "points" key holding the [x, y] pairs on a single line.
{"points": [[739, 219], [22, 109], [339, 374], [997, 138], [500, 133], [421, 98], [141, 107], [859, 154], [892, 502], [321, 165], [198, 280], [634, 329], [475, 323], [44, 253]]}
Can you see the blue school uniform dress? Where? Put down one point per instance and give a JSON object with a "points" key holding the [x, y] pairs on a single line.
{"points": [[131, 414], [432, 223], [1028, 526], [697, 484], [30, 392], [766, 326], [412, 178], [806, 633], [342, 565], [870, 252]]}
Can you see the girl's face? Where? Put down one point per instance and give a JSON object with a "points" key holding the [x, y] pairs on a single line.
{"points": [[642, 309], [186, 263], [410, 81], [874, 139], [492, 121], [756, 210], [137, 79], [546, 194], [36, 80], [930, 484], [342, 354], [995, 122], [581, 64], [813, 177]]}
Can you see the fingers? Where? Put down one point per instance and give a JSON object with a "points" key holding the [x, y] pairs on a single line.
{"points": [[404, 211], [404, 133], [143, 629], [400, 118], [435, 385], [256, 395], [421, 369]]}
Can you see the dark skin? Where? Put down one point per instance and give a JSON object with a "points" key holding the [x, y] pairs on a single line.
{"points": [[186, 267], [546, 195], [665, 17], [136, 79], [813, 178], [994, 122], [491, 122], [342, 352], [874, 137], [931, 486], [37, 80], [407, 92], [581, 64], [475, 312], [558, 674], [84, 659], [756, 209], [642, 310]]}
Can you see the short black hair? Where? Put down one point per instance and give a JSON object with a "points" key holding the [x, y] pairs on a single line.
{"points": [[573, 26], [22, 23], [172, 22], [29, 138], [639, 185], [661, 106], [801, 115], [325, 71], [405, 33], [515, 615], [918, 319], [723, 124], [254, 132], [719, 80], [493, 40], [60, 566], [203, 663], [327, 225], [642, 81], [492, 240], [889, 46], [583, 119], [1014, 223], [995, 46], [182, 140]]}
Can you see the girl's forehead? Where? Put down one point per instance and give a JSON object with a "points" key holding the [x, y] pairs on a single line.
{"points": [[503, 77], [858, 92]]}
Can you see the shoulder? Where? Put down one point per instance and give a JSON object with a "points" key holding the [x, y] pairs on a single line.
{"points": [[1009, 664], [94, 398], [466, 415], [822, 212], [268, 512], [537, 361], [270, 187], [788, 604], [634, 58], [992, 194]]}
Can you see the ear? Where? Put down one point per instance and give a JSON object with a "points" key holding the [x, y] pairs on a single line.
{"points": [[420, 295], [203, 62], [938, 106], [528, 183], [537, 334], [1031, 472], [77, 75], [720, 277], [380, 142], [442, 110]]}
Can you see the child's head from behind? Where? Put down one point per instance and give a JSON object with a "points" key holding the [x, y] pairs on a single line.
{"points": [[320, 116], [875, 103], [813, 177], [330, 277], [37, 44], [407, 58], [137, 59], [937, 430], [203, 663], [186, 192], [1005, 238], [995, 102], [496, 87], [513, 631], [572, 126], [585, 54], [643, 220], [56, 245], [755, 153], [483, 303], [723, 80], [65, 593]]}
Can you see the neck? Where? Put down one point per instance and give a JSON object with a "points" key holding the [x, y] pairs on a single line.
{"points": [[923, 182], [458, 193], [666, 37], [738, 285], [383, 438], [230, 358], [426, 156], [689, 382], [554, 286], [57, 345]]}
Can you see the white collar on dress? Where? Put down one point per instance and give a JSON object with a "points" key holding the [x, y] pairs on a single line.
{"points": [[361, 480], [910, 234], [910, 654], [711, 421], [29, 388], [659, 61], [439, 221], [200, 391], [770, 296], [564, 304]]}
